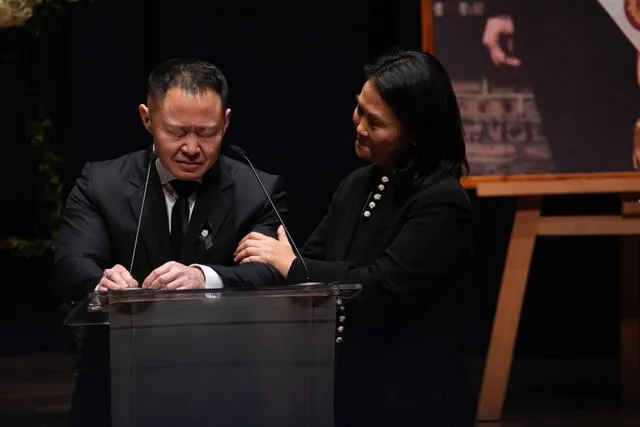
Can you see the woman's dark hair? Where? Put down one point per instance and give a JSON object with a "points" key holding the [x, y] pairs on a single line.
{"points": [[194, 76], [418, 90]]}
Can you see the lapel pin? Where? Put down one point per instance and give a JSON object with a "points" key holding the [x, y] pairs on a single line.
{"points": [[206, 237]]}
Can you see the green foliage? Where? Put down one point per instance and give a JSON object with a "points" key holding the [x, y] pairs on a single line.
{"points": [[25, 55], [26, 248], [48, 19]]}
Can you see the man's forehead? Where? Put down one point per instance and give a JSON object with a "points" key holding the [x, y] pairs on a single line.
{"points": [[192, 123], [185, 109], [179, 93]]}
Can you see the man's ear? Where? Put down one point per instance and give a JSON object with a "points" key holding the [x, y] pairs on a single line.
{"points": [[227, 119], [145, 116]]}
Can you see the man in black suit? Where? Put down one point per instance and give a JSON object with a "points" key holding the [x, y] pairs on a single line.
{"points": [[198, 206]]}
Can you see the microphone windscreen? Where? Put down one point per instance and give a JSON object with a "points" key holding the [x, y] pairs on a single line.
{"points": [[237, 151]]}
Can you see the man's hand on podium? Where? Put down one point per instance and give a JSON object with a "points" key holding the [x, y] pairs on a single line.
{"points": [[116, 278], [173, 275]]}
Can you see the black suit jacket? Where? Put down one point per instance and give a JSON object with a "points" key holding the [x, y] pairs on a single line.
{"points": [[399, 364], [99, 226], [101, 214]]}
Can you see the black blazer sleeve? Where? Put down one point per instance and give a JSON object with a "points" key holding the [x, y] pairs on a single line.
{"points": [[82, 249], [248, 275], [434, 240]]}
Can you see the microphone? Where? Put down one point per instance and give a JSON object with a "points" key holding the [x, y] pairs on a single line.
{"points": [[152, 158], [239, 152]]}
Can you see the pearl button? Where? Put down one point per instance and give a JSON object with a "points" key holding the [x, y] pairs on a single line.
{"points": [[381, 187], [339, 301], [341, 319], [339, 340], [372, 205], [367, 214], [342, 308], [377, 197], [340, 328], [385, 179]]}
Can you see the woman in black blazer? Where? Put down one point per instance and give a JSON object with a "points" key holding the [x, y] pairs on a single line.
{"points": [[402, 228]]}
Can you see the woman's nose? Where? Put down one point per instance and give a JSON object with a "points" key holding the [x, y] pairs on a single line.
{"points": [[360, 128]]}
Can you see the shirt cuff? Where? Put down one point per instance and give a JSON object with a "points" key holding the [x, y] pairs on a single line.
{"points": [[212, 279]]}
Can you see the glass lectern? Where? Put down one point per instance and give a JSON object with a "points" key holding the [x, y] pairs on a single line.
{"points": [[232, 357]]}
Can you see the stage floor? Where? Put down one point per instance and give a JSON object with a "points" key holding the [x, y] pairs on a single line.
{"points": [[35, 391]]}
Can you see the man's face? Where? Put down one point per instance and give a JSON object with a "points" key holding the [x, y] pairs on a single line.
{"points": [[187, 130]]}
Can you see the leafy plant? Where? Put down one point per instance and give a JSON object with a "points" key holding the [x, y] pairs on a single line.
{"points": [[25, 23], [25, 26]]}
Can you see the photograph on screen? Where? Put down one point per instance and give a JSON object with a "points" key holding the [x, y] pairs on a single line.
{"points": [[544, 86]]}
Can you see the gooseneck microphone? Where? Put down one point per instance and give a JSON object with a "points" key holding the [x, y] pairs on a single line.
{"points": [[152, 159], [239, 152]]}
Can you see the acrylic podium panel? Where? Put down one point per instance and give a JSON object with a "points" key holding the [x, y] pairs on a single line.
{"points": [[241, 358]]}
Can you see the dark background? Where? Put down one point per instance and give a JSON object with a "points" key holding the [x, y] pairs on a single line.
{"points": [[293, 69]]}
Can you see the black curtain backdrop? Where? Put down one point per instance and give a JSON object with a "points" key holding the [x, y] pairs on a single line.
{"points": [[294, 69]]}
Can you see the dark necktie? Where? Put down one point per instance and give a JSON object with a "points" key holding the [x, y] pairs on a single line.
{"points": [[180, 215]]}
